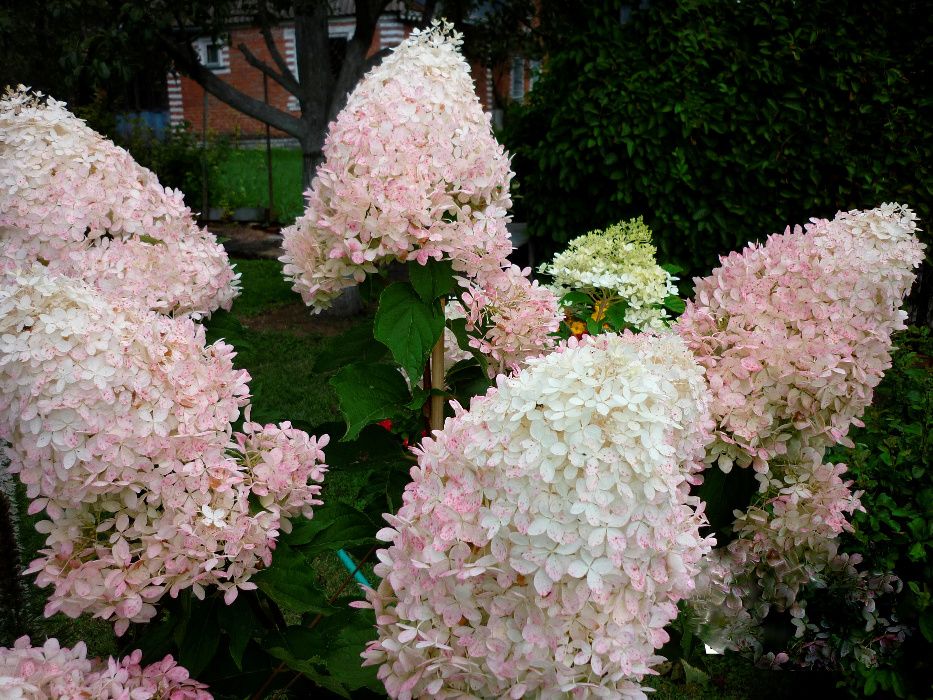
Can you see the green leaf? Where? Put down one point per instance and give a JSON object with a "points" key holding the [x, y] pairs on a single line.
{"points": [[467, 379], [200, 640], [458, 328], [675, 304], [419, 398], [223, 325], [329, 654], [297, 647], [369, 393], [346, 634], [290, 584], [408, 326], [151, 240], [926, 624], [694, 675], [376, 449], [335, 525], [432, 280], [576, 299], [615, 314], [240, 623], [355, 345]]}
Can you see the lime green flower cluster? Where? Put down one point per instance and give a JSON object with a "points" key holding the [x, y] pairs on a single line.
{"points": [[616, 265]]}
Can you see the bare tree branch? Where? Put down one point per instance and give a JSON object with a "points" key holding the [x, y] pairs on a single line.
{"points": [[265, 28], [286, 81], [375, 60], [355, 63], [186, 58]]}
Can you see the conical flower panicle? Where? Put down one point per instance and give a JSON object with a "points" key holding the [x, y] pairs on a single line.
{"points": [[548, 532], [71, 199]]}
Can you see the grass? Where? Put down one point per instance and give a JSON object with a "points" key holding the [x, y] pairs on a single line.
{"points": [[241, 180]]}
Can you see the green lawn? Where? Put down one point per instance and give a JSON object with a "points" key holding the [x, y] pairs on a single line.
{"points": [[241, 180]]}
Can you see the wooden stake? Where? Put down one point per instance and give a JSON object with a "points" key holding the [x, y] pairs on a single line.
{"points": [[437, 379]]}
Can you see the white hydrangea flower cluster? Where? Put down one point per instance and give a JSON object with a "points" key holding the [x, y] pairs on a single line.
{"points": [[548, 532], [119, 424], [619, 260], [71, 199]]}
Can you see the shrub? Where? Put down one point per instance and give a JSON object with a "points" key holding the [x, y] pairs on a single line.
{"points": [[720, 121], [177, 158], [890, 461]]}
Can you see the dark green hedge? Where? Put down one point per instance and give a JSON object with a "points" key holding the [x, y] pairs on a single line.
{"points": [[721, 122]]}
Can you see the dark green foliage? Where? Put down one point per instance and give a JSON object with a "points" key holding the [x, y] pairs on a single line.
{"points": [[722, 122], [179, 159], [892, 463]]}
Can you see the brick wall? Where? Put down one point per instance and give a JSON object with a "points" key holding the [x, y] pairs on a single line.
{"points": [[187, 99]]}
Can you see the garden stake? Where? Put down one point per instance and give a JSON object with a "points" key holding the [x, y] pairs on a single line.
{"points": [[437, 379], [353, 568]]}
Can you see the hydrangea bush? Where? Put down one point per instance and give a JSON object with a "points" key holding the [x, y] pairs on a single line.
{"points": [[119, 424], [794, 335], [548, 532], [412, 172], [52, 672], [82, 206], [615, 267]]}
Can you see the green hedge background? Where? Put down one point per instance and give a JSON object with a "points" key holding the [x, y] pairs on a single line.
{"points": [[722, 122]]}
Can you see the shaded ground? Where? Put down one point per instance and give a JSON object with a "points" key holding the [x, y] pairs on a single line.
{"points": [[248, 241]]}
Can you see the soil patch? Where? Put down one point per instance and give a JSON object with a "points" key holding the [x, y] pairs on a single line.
{"points": [[296, 318], [249, 240]]}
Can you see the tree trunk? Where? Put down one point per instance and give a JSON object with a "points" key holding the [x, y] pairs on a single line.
{"points": [[311, 158]]}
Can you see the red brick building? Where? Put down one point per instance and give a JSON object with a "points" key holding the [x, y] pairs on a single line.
{"points": [[188, 102]]}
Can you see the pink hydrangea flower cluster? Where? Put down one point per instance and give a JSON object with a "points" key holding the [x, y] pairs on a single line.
{"points": [[53, 672], [548, 532], [794, 335], [510, 318], [74, 201], [412, 171], [118, 421]]}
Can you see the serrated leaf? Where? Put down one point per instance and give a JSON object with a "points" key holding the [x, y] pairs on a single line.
{"points": [[290, 584], [239, 622], [926, 624], [432, 280], [298, 648], [347, 633], [675, 304], [467, 379], [355, 345], [200, 640], [408, 326], [369, 393], [334, 526], [694, 675]]}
